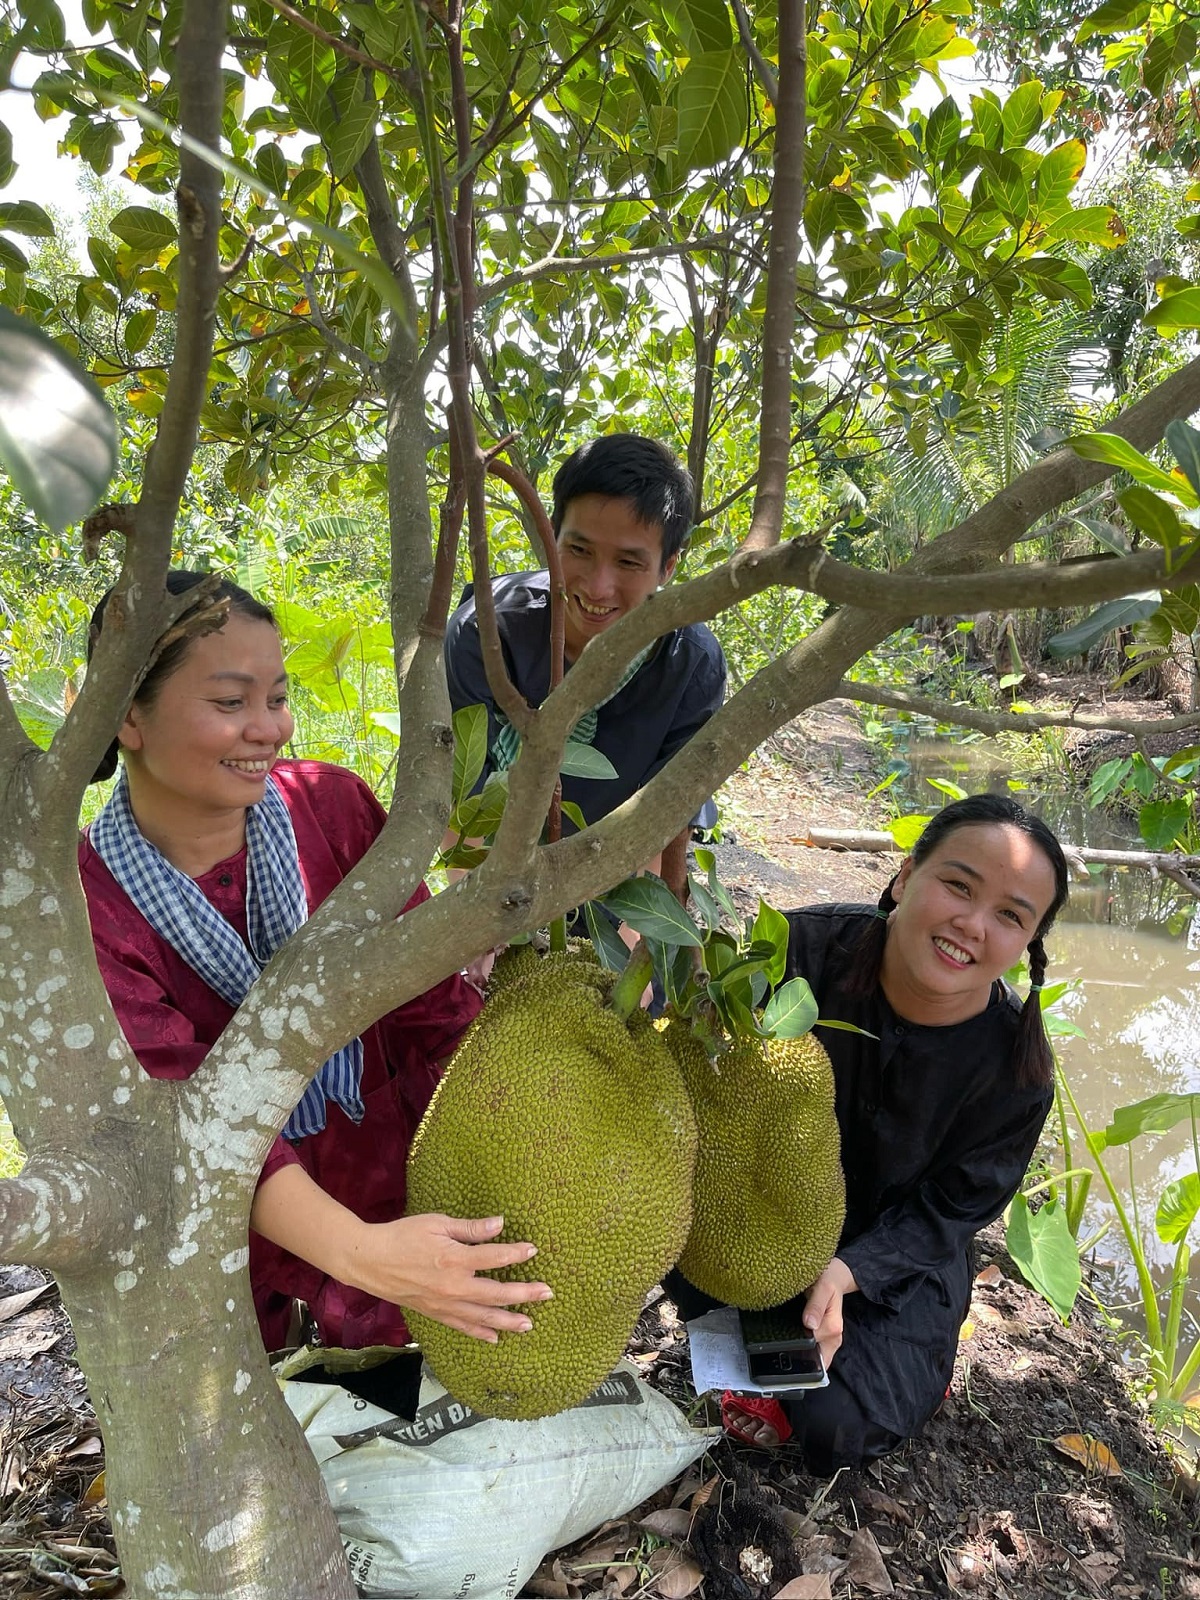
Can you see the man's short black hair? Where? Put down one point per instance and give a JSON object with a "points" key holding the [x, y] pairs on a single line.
{"points": [[627, 466]]}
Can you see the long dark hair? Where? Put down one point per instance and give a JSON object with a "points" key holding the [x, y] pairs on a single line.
{"points": [[170, 658], [1033, 1059]]}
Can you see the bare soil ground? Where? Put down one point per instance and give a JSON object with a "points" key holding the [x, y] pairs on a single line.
{"points": [[1040, 1476]]}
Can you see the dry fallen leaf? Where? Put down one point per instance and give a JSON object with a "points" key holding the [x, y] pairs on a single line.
{"points": [[967, 1331], [12, 1305], [705, 1493], [813, 1586], [18, 1344], [1089, 1453], [991, 1274], [866, 1564], [90, 1444], [875, 1500], [672, 1523], [986, 1313], [94, 1493], [11, 1474], [679, 1576], [1021, 1364]]}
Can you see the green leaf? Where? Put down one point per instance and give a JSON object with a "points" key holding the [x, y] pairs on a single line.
{"points": [[479, 815], [389, 721], [943, 129], [906, 830], [1022, 114], [271, 165], [1181, 310], [711, 97], [1157, 1114], [470, 749], [1177, 1208], [145, 231], [1161, 822], [704, 26], [1184, 444], [585, 761], [1152, 515], [944, 786], [611, 949], [791, 1011], [827, 212], [773, 927], [58, 438], [1058, 279], [1106, 534], [1006, 182], [706, 903], [1060, 171], [22, 216], [1077, 641], [1107, 779], [139, 329], [649, 907], [1114, 16], [572, 812], [1087, 225], [351, 136], [1117, 452], [1040, 1243]]}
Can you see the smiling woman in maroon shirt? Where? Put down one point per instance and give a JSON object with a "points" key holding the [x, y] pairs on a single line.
{"points": [[202, 790]]}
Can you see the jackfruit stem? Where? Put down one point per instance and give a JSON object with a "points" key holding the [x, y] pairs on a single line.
{"points": [[627, 992], [558, 936]]}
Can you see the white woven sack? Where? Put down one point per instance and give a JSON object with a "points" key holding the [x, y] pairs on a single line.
{"points": [[455, 1505]]}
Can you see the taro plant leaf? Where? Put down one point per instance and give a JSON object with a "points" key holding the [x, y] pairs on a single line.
{"points": [[1177, 1208], [1040, 1243], [389, 721], [944, 786], [470, 749], [1077, 641], [610, 948], [585, 761], [1108, 778], [650, 908], [1157, 1114], [775, 929], [58, 437], [1162, 821], [906, 830], [791, 1010]]}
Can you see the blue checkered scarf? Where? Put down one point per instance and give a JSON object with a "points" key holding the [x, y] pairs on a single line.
{"points": [[275, 907]]}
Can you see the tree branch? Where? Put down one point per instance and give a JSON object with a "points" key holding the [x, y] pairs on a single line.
{"points": [[1005, 721], [54, 1216], [779, 320], [548, 266], [762, 67]]}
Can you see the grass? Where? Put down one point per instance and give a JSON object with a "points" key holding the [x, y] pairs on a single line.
{"points": [[12, 1157]]}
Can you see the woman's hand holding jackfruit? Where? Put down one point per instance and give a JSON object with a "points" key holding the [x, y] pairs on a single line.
{"points": [[823, 1311], [430, 1262]]}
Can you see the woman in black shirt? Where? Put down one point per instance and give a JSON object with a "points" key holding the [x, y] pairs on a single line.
{"points": [[939, 1114]]}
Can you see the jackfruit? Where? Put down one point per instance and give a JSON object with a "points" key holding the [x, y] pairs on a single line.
{"points": [[769, 1194], [575, 1126]]}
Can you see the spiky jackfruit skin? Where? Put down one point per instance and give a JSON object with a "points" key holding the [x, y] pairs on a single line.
{"points": [[577, 1129], [769, 1194]]}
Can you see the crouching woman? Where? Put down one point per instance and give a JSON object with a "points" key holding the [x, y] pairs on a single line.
{"points": [[210, 853], [940, 1101]]}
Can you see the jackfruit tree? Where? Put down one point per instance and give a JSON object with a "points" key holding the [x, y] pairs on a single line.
{"points": [[365, 226]]}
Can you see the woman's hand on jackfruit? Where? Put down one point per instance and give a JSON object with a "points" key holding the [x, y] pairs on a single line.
{"points": [[430, 1262], [823, 1311]]}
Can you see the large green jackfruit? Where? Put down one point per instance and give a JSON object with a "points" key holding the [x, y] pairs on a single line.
{"points": [[769, 1195], [575, 1126]]}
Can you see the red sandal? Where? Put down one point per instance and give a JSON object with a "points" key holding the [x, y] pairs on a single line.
{"points": [[763, 1407]]}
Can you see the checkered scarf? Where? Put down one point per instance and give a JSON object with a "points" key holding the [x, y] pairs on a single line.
{"points": [[506, 746], [276, 906]]}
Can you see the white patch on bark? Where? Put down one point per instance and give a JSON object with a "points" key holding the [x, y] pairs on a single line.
{"points": [[235, 1260], [229, 1532], [124, 1258], [272, 1019], [5, 931], [40, 1029], [124, 1281], [49, 905], [79, 1036], [162, 1577], [55, 958], [93, 1111], [115, 1050], [120, 1096], [14, 887], [182, 1252], [24, 857], [231, 1305], [129, 1516], [48, 986], [242, 1382], [140, 1222]]}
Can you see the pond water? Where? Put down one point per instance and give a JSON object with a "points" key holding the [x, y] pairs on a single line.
{"points": [[1130, 940]]}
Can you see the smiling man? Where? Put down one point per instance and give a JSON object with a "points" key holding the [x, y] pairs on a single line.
{"points": [[622, 510]]}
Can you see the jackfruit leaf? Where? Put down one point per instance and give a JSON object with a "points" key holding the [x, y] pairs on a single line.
{"points": [[844, 1027], [706, 904], [1162, 821], [1151, 513], [650, 908], [585, 761], [1177, 1208], [478, 815], [734, 1003], [1157, 1114], [1181, 310], [906, 830], [611, 950], [773, 927], [1089, 1453], [1184, 444], [1117, 452], [467, 857], [674, 968], [573, 814], [58, 437], [1106, 534], [470, 749], [791, 1010], [1041, 1244], [707, 862], [1077, 641]]}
